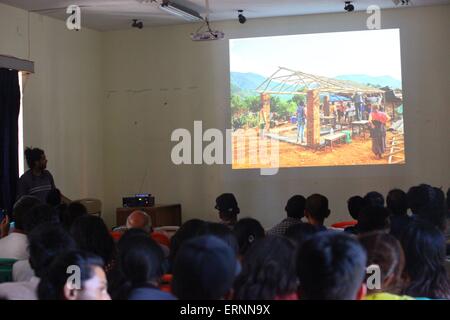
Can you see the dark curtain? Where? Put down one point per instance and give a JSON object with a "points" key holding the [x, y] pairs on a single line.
{"points": [[9, 137]]}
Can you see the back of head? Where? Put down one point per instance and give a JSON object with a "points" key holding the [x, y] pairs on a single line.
{"points": [[92, 235], [373, 218], [429, 204], [374, 199], [317, 207], [295, 207], [204, 269], [247, 231], [355, 205], [39, 214], [21, 209], [227, 206], [385, 251], [140, 260], [225, 234], [52, 283], [397, 202], [32, 155], [424, 246], [300, 232], [139, 220], [188, 230], [331, 266], [47, 241], [72, 212], [268, 270]]}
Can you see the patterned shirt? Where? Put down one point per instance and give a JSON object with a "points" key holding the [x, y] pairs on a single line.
{"points": [[281, 228]]}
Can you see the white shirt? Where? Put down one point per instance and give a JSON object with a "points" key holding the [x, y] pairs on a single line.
{"points": [[14, 246], [20, 290], [22, 271]]}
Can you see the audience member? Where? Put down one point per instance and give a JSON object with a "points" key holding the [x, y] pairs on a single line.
{"points": [[268, 271], [373, 218], [354, 205], [299, 233], [73, 211], [58, 284], [397, 203], [316, 210], [225, 234], [374, 199], [228, 209], [204, 269], [247, 231], [331, 266], [295, 210]]}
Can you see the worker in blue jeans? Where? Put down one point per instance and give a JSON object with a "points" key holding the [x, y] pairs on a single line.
{"points": [[301, 119]]}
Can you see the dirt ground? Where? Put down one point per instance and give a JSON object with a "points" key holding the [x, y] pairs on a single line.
{"points": [[358, 152]]}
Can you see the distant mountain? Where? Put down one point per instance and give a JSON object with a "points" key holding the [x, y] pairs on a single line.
{"points": [[245, 84], [365, 79]]}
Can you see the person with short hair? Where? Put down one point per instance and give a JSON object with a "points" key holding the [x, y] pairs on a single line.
{"points": [[37, 181], [268, 271], [373, 218], [58, 284], [46, 241], [354, 205], [397, 202], [299, 233], [295, 210], [72, 212], [14, 245], [331, 266], [316, 210], [385, 252], [204, 269], [228, 208], [247, 232]]}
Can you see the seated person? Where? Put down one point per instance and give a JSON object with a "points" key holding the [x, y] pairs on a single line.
{"points": [[397, 203], [295, 210], [58, 284], [228, 209], [354, 205], [300, 232], [331, 266], [46, 241], [204, 269], [384, 251], [247, 231], [373, 218], [316, 210]]}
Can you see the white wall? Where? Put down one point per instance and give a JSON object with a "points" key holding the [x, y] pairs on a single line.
{"points": [[63, 99], [158, 80]]}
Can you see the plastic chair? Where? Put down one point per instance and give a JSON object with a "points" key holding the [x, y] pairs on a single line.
{"points": [[6, 266]]}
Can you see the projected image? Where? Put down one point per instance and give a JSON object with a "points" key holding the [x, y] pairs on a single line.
{"points": [[329, 99]]}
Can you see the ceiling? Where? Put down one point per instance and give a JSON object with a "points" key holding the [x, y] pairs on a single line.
{"points": [[106, 15]]}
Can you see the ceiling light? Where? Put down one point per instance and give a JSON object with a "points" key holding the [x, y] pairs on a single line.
{"points": [[180, 11]]}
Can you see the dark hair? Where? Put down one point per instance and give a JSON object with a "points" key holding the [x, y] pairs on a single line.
{"points": [[300, 232], [448, 199], [72, 212], [39, 214], [33, 155], [354, 205], [331, 266], [295, 207], [21, 209], [397, 202], [227, 205], [92, 235], [45, 242], [51, 284], [385, 251], [53, 197], [424, 247], [374, 199], [268, 270], [317, 206], [188, 230], [140, 261], [429, 204], [247, 231], [204, 269], [224, 233], [373, 218]]}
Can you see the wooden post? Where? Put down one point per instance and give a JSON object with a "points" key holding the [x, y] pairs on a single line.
{"points": [[312, 118], [326, 106]]}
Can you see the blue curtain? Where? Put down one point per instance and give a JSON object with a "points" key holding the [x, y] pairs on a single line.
{"points": [[9, 137]]}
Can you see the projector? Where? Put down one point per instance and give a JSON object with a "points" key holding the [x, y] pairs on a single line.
{"points": [[139, 200], [207, 36]]}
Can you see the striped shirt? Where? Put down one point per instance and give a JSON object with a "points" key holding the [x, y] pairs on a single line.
{"points": [[38, 186]]}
